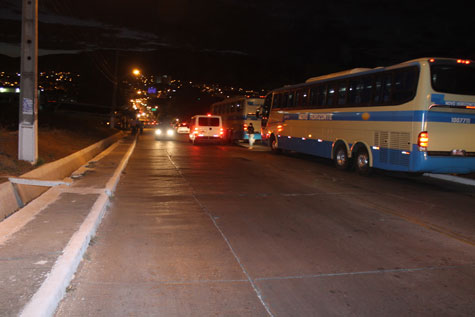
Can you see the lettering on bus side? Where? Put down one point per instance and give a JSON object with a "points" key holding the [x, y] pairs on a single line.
{"points": [[459, 103], [321, 116], [461, 120]]}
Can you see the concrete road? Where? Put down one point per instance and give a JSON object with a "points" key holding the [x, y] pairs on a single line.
{"points": [[226, 231]]}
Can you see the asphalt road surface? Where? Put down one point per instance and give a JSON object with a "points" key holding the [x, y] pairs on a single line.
{"points": [[215, 230]]}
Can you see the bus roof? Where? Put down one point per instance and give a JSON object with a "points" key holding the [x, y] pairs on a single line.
{"points": [[353, 72], [338, 74], [236, 98]]}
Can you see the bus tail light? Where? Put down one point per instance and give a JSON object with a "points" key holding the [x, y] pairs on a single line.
{"points": [[423, 141], [221, 132]]}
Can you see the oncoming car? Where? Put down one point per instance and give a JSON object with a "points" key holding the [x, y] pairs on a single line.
{"points": [[164, 132]]}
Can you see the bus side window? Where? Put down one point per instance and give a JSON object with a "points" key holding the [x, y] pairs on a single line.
{"points": [[354, 97], [382, 93], [267, 105], [301, 98], [277, 101], [322, 96], [405, 85], [366, 90], [291, 99], [342, 92], [378, 87], [304, 99], [298, 98], [284, 101], [387, 85], [312, 99], [359, 91], [331, 92]]}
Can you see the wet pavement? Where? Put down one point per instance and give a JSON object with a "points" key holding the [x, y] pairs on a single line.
{"points": [[226, 231]]}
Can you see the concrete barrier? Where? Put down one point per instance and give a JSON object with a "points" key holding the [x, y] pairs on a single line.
{"points": [[57, 170]]}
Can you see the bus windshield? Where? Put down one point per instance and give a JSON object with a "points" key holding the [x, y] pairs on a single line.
{"points": [[453, 79]]}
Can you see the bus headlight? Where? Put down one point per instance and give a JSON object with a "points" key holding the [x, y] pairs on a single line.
{"points": [[170, 132], [158, 132]]}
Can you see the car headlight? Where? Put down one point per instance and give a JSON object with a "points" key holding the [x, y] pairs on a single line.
{"points": [[158, 132], [170, 132]]}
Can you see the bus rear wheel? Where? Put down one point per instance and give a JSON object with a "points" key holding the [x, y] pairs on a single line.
{"points": [[341, 157], [362, 162]]}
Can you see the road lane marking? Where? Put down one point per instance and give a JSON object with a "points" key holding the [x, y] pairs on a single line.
{"points": [[228, 243]]}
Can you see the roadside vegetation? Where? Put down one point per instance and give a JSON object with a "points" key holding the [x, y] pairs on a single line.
{"points": [[56, 139]]}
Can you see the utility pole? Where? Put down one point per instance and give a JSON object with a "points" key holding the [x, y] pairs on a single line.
{"points": [[28, 115]]}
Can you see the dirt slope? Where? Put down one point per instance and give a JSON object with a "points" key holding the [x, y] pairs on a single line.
{"points": [[53, 144]]}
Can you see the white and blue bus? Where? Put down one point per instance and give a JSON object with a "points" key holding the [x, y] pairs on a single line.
{"points": [[417, 116], [237, 113]]}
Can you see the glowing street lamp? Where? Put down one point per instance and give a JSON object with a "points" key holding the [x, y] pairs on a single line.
{"points": [[136, 72]]}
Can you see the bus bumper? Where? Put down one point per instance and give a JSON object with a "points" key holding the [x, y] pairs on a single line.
{"points": [[422, 162]]}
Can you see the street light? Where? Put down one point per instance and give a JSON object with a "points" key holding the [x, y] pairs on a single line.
{"points": [[136, 72]]}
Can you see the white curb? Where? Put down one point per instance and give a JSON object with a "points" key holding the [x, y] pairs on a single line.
{"points": [[45, 301]]}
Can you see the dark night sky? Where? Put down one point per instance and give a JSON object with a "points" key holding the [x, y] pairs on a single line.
{"points": [[304, 38]]}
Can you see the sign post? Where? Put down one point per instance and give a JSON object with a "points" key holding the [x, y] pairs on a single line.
{"points": [[28, 115]]}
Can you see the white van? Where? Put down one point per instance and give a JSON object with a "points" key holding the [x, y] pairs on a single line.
{"points": [[206, 128]]}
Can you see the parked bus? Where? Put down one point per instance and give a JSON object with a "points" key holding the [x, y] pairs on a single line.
{"points": [[418, 116], [237, 113]]}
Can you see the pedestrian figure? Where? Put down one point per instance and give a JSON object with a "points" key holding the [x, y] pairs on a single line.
{"points": [[250, 131]]}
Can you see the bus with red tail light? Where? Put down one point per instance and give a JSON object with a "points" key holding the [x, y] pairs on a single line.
{"points": [[417, 116], [237, 113]]}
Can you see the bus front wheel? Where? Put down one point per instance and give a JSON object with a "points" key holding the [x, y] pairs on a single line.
{"points": [[341, 157], [362, 162]]}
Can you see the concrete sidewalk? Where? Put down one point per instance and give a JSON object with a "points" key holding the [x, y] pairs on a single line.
{"points": [[42, 244]]}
